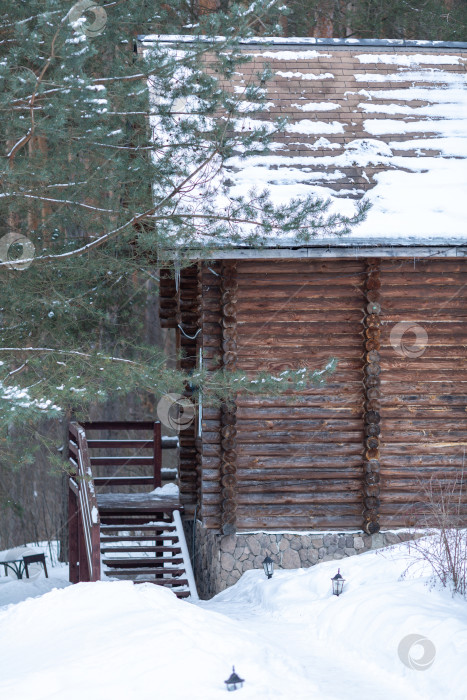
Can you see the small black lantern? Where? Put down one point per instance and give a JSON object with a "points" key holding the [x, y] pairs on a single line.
{"points": [[337, 583], [234, 682], [268, 566]]}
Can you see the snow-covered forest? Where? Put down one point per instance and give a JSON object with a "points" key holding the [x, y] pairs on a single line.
{"points": [[142, 149]]}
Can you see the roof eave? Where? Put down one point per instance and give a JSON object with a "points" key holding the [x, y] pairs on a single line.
{"points": [[304, 41], [344, 248]]}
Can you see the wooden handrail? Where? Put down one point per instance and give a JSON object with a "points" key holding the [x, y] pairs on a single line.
{"points": [[85, 549], [84, 524], [156, 443], [117, 425]]}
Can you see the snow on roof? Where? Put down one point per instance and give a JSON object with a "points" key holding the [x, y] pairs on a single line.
{"points": [[387, 121]]}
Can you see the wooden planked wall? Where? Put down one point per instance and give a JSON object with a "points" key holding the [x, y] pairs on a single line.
{"points": [[424, 397], [189, 299], [298, 461]]}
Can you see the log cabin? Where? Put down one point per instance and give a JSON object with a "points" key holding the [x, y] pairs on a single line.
{"points": [[338, 469]]}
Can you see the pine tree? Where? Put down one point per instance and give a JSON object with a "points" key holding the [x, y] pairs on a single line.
{"points": [[98, 181], [432, 20]]}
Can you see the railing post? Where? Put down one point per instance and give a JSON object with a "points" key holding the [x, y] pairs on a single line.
{"points": [[157, 444], [84, 574], [96, 553], [73, 534]]}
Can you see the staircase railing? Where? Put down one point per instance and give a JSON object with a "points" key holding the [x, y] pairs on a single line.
{"points": [[186, 555], [155, 443], [84, 523]]}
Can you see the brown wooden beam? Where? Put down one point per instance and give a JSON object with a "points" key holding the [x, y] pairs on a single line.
{"points": [[371, 412], [229, 287], [73, 537]]}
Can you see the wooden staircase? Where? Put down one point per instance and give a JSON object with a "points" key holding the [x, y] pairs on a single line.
{"points": [[125, 536]]}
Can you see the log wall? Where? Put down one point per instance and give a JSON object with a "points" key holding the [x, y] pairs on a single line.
{"points": [[211, 324], [423, 381], [299, 459], [354, 452], [189, 300]]}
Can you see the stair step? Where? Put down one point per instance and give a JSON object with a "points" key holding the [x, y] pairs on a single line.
{"points": [[134, 507], [141, 572], [166, 527], [119, 520], [138, 538], [169, 582], [143, 548], [132, 562]]}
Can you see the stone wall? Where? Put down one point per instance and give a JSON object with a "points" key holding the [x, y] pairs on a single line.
{"points": [[220, 561]]}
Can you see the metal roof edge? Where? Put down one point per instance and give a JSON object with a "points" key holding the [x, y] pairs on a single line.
{"points": [[351, 249], [305, 41]]}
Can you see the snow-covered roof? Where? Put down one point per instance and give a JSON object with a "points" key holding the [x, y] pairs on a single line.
{"points": [[382, 119]]}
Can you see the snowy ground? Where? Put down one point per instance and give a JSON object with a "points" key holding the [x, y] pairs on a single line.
{"points": [[13, 590], [288, 637]]}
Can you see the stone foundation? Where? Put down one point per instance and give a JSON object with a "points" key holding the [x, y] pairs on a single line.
{"points": [[220, 561]]}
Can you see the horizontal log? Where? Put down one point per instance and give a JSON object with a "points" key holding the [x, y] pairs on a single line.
{"points": [[304, 418], [292, 277], [440, 355], [291, 437], [295, 328], [290, 461], [292, 291], [334, 307], [444, 391], [299, 509], [454, 374], [347, 358], [397, 365], [341, 394], [422, 266], [211, 412], [211, 450], [434, 408], [299, 522], [416, 286], [291, 473], [309, 488], [286, 315], [413, 480], [307, 406], [419, 448], [427, 423], [350, 344], [426, 314], [260, 498], [280, 365], [298, 426], [267, 267], [452, 459], [335, 448], [347, 347]]}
